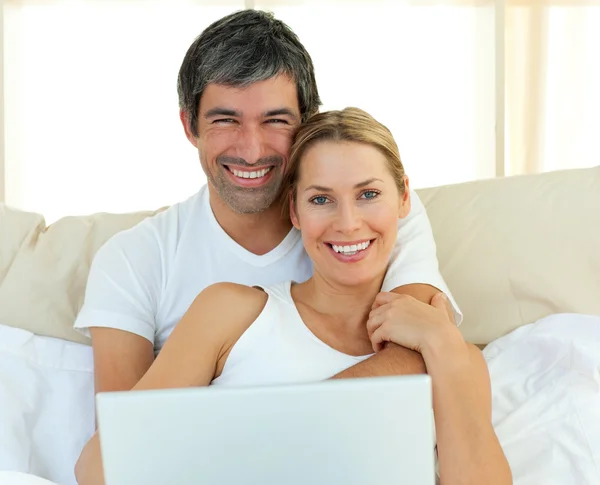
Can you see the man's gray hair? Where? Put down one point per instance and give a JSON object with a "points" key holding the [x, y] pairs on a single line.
{"points": [[240, 49]]}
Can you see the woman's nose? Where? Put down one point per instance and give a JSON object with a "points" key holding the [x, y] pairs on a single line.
{"points": [[348, 219]]}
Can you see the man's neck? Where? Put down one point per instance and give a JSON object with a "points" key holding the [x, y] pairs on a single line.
{"points": [[258, 233]]}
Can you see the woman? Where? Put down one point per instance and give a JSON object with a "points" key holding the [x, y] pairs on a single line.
{"points": [[346, 191]]}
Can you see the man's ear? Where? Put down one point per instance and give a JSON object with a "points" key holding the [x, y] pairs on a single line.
{"points": [[405, 202], [293, 214], [185, 121]]}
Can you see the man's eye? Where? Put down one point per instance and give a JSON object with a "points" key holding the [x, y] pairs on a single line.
{"points": [[276, 121], [224, 120], [319, 200]]}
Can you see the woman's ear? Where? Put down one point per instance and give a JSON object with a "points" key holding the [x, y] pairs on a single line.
{"points": [[405, 201], [293, 214]]}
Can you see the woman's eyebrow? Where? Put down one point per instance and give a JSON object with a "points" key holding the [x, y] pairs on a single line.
{"points": [[367, 182], [359, 185], [319, 188]]}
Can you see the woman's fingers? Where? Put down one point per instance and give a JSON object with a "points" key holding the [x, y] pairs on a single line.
{"points": [[382, 298], [373, 323], [379, 311], [379, 338], [441, 302]]}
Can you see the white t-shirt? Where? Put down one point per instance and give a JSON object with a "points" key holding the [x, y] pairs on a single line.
{"points": [[145, 278]]}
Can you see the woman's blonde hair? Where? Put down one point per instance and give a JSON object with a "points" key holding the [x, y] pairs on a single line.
{"points": [[347, 125]]}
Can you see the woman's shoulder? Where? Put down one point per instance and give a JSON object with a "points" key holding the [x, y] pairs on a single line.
{"points": [[232, 309], [232, 301], [228, 290]]}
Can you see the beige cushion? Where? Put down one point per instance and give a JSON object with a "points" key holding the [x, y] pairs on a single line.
{"points": [[512, 250], [43, 270]]}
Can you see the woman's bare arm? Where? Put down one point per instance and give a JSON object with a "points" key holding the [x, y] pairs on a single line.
{"points": [[190, 355], [468, 449]]}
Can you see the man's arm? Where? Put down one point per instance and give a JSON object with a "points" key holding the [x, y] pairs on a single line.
{"points": [[394, 359], [118, 314], [120, 358]]}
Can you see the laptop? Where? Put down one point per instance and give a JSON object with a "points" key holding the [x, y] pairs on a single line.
{"points": [[367, 431]]}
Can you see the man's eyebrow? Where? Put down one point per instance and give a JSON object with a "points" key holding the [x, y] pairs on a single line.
{"points": [[281, 111], [359, 185], [221, 112]]}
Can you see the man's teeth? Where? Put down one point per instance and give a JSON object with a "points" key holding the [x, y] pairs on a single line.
{"points": [[352, 249], [251, 175]]}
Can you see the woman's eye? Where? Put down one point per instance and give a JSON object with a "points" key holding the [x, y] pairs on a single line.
{"points": [[319, 200], [370, 194]]}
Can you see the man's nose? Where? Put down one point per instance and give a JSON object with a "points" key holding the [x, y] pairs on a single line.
{"points": [[250, 144]]}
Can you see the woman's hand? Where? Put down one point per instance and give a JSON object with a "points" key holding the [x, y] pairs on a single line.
{"points": [[406, 321]]}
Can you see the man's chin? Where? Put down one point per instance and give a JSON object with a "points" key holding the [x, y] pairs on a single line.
{"points": [[248, 205], [245, 200]]}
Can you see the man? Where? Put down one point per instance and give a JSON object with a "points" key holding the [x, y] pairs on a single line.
{"points": [[244, 86]]}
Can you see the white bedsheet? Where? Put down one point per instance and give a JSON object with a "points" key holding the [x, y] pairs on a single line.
{"points": [[546, 400], [545, 382], [46, 404]]}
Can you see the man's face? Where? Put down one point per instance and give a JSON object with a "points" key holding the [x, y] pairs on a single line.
{"points": [[244, 138]]}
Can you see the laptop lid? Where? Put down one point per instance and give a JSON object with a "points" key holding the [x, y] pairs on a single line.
{"points": [[346, 431]]}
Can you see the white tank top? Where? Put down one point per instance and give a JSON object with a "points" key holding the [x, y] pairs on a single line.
{"points": [[278, 348]]}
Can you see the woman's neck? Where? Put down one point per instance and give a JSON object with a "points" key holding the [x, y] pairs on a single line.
{"points": [[341, 303]]}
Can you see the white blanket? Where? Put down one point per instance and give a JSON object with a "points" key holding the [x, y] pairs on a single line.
{"points": [[546, 400], [46, 404], [545, 383]]}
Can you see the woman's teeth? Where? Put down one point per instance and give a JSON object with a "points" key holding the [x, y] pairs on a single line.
{"points": [[251, 175], [352, 249]]}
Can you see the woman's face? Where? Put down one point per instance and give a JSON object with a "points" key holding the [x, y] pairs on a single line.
{"points": [[347, 207]]}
